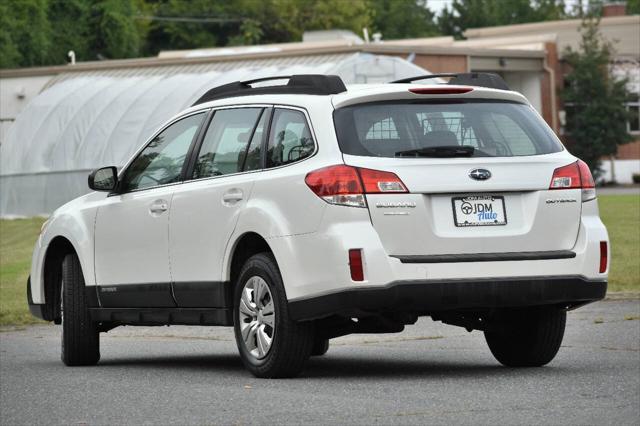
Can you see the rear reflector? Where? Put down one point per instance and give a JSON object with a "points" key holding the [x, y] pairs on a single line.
{"points": [[347, 185], [575, 176], [355, 265], [604, 257], [440, 90]]}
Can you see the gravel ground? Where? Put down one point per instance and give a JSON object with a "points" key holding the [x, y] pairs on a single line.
{"points": [[430, 373]]}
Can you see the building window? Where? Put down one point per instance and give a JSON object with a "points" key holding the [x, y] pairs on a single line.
{"points": [[633, 107]]}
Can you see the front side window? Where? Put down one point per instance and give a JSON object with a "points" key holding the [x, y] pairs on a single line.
{"points": [[482, 128], [290, 138], [161, 161], [224, 147]]}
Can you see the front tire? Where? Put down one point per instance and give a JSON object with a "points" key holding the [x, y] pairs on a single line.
{"points": [[271, 345], [533, 339], [80, 337]]}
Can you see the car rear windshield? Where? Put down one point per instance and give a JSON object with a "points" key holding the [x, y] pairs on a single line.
{"points": [[436, 129]]}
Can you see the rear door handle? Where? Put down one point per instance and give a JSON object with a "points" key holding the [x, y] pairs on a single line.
{"points": [[159, 206], [232, 196]]}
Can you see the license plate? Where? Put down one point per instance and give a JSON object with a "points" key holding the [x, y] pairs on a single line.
{"points": [[479, 210]]}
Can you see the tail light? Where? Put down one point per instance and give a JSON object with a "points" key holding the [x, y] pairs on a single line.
{"points": [[604, 257], [346, 185], [575, 176]]}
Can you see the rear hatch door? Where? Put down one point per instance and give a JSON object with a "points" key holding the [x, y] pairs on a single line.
{"points": [[493, 200]]}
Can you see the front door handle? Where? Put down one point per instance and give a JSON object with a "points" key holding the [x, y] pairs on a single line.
{"points": [[159, 207], [232, 196]]}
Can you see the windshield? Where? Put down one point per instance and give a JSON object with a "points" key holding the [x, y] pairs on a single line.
{"points": [[482, 128]]}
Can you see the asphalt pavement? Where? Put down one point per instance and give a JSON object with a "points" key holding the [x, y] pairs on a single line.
{"points": [[429, 374]]}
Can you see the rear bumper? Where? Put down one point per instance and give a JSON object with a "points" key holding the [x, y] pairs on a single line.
{"points": [[36, 309], [428, 296]]}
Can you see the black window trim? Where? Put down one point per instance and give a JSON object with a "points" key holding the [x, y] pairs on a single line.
{"points": [[198, 135]]}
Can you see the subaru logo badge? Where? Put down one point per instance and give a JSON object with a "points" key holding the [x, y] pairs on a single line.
{"points": [[480, 174]]}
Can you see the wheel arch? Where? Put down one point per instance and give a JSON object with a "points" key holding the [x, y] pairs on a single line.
{"points": [[54, 255], [245, 246]]}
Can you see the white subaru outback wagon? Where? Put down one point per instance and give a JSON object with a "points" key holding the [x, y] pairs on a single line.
{"points": [[304, 211]]}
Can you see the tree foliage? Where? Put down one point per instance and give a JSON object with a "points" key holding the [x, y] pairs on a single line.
{"points": [[633, 7], [41, 32], [465, 14], [594, 99], [397, 19], [116, 34], [25, 33]]}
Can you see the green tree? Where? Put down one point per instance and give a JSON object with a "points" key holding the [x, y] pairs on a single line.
{"points": [[9, 55], [594, 99], [287, 20], [177, 24], [397, 19], [180, 24], [633, 7], [70, 30], [465, 14], [25, 33], [114, 33]]}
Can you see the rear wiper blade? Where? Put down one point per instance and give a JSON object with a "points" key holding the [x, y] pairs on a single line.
{"points": [[438, 151]]}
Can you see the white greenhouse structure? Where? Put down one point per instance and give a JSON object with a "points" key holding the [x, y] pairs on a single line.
{"points": [[84, 120]]}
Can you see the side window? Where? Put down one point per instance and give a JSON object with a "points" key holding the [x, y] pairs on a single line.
{"points": [[161, 160], [290, 139], [225, 145]]}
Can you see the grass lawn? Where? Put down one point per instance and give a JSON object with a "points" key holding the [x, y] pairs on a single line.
{"points": [[17, 238], [621, 214]]}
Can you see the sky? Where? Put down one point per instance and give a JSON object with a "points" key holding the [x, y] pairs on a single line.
{"points": [[437, 5]]}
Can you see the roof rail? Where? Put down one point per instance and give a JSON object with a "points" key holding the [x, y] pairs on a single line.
{"points": [[300, 84], [479, 79]]}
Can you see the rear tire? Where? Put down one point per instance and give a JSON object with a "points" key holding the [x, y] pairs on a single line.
{"points": [[80, 337], [287, 345], [320, 347], [533, 341]]}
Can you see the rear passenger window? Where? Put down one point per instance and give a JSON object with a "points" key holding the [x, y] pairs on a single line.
{"points": [[290, 139], [225, 145]]}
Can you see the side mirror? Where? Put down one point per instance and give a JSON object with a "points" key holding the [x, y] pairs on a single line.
{"points": [[104, 179]]}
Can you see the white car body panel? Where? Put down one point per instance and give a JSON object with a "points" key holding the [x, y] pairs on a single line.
{"points": [[131, 241], [75, 222], [195, 250]]}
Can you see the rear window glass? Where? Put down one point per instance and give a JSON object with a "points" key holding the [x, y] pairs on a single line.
{"points": [[493, 129]]}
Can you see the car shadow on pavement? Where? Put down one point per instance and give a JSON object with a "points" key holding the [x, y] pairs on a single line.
{"points": [[333, 367], [337, 366], [223, 363]]}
